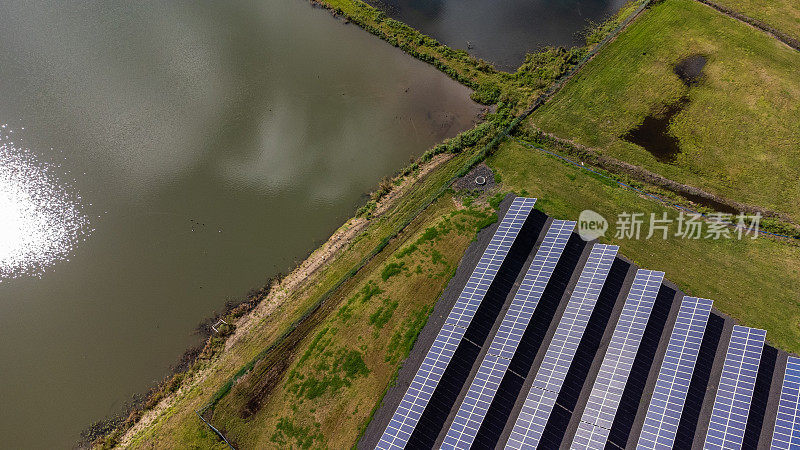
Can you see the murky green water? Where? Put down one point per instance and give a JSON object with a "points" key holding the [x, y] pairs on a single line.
{"points": [[212, 144]]}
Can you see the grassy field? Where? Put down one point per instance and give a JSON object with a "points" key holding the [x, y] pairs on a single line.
{"points": [[781, 14], [738, 134], [340, 371]]}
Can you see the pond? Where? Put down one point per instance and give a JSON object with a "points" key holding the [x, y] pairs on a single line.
{"points": [[502, 31], [160, 157]]}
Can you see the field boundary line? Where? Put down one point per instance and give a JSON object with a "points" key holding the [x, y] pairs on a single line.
{"points": [[755, 23]]}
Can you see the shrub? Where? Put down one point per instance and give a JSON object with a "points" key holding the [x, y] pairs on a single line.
{"points": [[487, 93], [391, 270]]}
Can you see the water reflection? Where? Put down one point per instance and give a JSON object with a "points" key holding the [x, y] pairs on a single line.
{"points": [[265, 120], [502, 31], [41, 215]]}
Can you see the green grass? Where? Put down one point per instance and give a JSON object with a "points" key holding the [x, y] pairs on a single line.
{"points": [[391, 270], [783, 15], [755, 281], [740, 131], [330, 390]]}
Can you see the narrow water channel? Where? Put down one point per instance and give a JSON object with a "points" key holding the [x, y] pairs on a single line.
{"points": [[198, 147]]}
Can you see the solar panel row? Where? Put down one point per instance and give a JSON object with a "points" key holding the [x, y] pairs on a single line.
{"points": [[473, 409], [438, 357], [530, 290], [669, 395], [787, 423], [421, 388], [481, 393], [607, 390], [490, 263], [539, 402], [732, 404]]}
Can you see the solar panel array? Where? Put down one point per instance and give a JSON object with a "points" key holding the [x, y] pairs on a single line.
{"points": [[740, 408], [669, 395], [548, 381], [473, 409], [735, 392], [604, 399], [787, 424], [438, 357]]}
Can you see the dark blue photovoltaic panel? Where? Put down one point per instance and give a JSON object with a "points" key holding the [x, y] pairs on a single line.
{"points": [[421, 388], [664, 413], [419, 392], [735, 392], [530, 290], [787, 424], [614, 371], [490, 262], [547, 384], [481, 392], [476, 403]]}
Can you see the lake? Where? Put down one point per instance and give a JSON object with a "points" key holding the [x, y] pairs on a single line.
{"points": [[161, 157], [502, 31]]}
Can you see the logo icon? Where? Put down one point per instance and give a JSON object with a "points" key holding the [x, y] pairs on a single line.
{"points": [[591, 225]]}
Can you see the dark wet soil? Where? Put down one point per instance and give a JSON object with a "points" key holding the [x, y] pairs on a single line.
{"points": [[690, 69], [653, 134]]}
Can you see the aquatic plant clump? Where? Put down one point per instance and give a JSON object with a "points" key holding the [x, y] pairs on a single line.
{"points": [[41, 216]]}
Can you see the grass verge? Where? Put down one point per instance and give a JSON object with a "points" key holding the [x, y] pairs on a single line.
{"points": [[326, 392]]}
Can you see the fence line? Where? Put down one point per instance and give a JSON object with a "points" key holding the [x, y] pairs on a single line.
{"points": [[639, 191]]}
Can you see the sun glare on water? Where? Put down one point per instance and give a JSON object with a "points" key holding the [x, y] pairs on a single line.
{"points": [[41, 217]]}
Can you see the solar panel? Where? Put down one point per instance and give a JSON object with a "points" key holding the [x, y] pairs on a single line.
{"points": [[490, 262], [735, 392], [473, 409], [421, 388], [664, 413], [419, 392], [787, 423], [616, 366], [530, 290], [548, 381]]}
